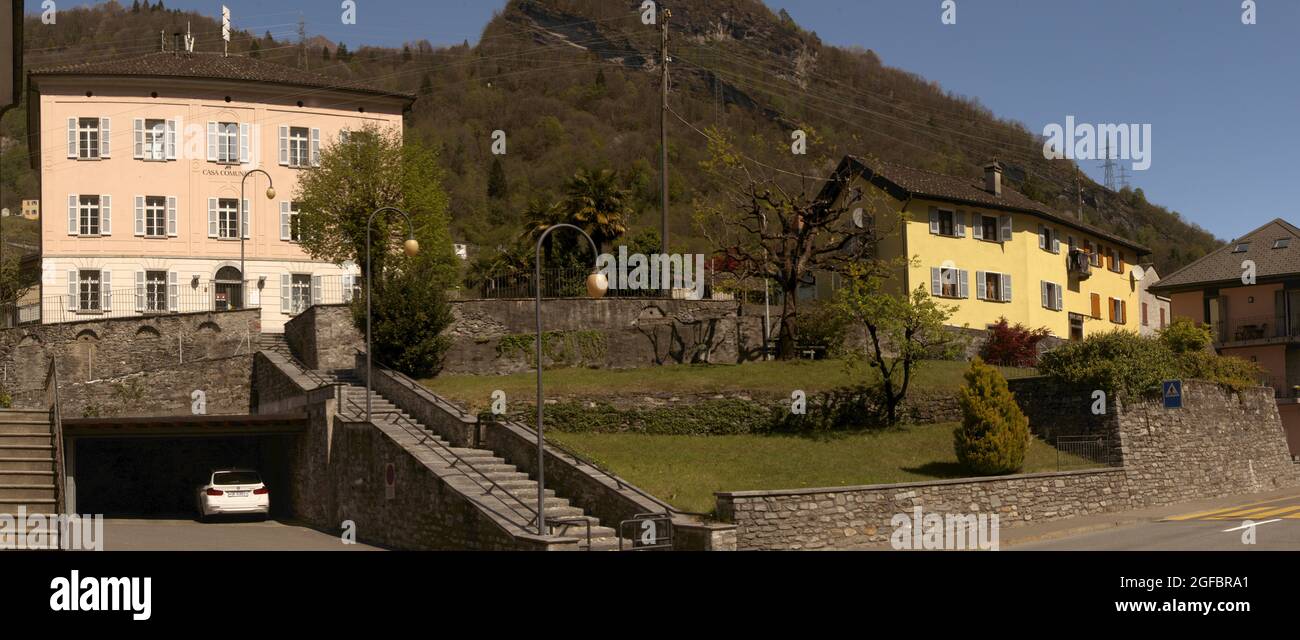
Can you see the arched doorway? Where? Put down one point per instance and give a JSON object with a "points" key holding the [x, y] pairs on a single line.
{"points": [[228, 290]]}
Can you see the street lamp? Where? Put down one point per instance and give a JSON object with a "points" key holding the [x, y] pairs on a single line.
{"points": [[410, 247], [597, 284], [270, 195]]}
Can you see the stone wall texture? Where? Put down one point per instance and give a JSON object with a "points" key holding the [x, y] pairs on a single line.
{"points": [[323, 337], [1220, 443], [104, 349], [636, 332], [163, 392]]}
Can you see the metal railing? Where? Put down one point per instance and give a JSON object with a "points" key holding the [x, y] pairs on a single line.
{"points": [[1282, 388], [560, 283], [1246, 328], [459, 463], [56, 432], [1097, 450]]}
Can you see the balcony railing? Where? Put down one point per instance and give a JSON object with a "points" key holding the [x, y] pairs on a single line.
{"points": [[557, 283], [1247, 328]]}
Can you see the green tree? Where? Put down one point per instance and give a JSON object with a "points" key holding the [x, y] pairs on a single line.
{"points": [[994, 432], [903, 330], [595, 201], [496, 186], [540, 215], [374, 169], [410, 311], [1184, 336]]}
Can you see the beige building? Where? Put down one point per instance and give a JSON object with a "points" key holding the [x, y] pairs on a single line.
{"points": [[1154, 309], [31, 209], [142, 160]]}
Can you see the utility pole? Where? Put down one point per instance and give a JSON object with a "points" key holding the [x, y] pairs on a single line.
{"points": [[663, 131], [1078, 187]]}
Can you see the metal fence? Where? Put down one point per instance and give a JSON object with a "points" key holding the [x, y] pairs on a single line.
{"points": [[566, 283], [290, 294], [1084, 451]]}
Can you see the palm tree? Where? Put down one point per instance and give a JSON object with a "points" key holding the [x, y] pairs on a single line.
{"points": [[538, 217], [595, 201]]}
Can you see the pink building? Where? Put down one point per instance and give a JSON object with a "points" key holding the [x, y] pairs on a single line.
{"points": [[141, 162]]}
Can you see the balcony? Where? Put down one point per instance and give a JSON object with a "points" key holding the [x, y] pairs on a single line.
{"points": [[1286, 391], [1079, 264], [1255, 330]]}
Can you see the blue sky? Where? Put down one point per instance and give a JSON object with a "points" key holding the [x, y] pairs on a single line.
{"points": [[1221, 97]]}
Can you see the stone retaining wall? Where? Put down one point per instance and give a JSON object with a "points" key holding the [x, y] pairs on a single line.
{"points": [[162, 392], [1220, 443], [323, 337]]}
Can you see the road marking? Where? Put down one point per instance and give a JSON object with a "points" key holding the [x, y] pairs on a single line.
{"points": [[1232, 515], [1278, 512], [1202, 514], [1253, 524]]}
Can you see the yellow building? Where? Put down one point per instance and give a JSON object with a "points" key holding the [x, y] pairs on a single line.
{"points": [[31, 209], [992, 252]]}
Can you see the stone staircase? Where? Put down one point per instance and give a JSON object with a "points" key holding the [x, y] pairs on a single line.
{"points": [[26, 463], [491, 481]]}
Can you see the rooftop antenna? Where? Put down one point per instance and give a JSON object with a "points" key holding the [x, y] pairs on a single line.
{"points": [[189, 39], [225, 31]]}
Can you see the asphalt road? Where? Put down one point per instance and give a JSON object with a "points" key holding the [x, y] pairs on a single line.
{"points": [[1272, 524], [179, 534]]}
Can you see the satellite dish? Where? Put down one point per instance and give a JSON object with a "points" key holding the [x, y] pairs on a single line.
{"points": [[858, 221], [1138, 273]]}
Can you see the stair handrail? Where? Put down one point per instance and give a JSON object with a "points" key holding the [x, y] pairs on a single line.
{"points": [[56, 432], [423, 439]]}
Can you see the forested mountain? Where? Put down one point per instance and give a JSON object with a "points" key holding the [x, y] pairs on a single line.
{"points": [[575, 84]]}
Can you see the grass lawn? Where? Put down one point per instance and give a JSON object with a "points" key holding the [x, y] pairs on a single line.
{"points": [[686, 470], [756, 377]]}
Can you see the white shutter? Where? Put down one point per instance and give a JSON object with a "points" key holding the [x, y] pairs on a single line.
{"points": [[244, 218], [243, 142], [72, 290], [960, 223], [935, 283], [934, 221], [285, 303], [72, 138], [105, 135], [1006, 287], [964, 286], [1042, 237], [316, 290], [980, 289], [344, 135], [139, 291], [284, 145], [139, 215], [1004, 223], [1044, 294], [171, 139], [1059, 303], [212, 142], [349, 281], [977, 226], [212, 217], [106, 215], [173, 292], [171, 216], [284, 220], [1056, 244], [138, 149], [315, 147], [106, 290], [73, 228]]}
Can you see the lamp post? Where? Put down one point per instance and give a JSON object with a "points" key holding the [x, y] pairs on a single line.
{"points": [[410, 247], [596, 287], [270, 195]]}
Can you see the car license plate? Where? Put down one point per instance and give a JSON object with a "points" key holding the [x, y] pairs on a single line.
{"points": [[239, 494]]}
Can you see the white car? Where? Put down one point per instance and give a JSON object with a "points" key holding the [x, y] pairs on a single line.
{"points": [[234, 491]]}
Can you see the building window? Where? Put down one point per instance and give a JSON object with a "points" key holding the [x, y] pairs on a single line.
{"points": [[88, 138], [1052, 296], [1145, 323], [1242, 247], [1076, 327], [300, 297], [994, 287], [295, 232], [155, 140], [228, 142], [299, 147], [155, 216], [989, 228], [227, 218], [947, 282], [1162, 319], [155, 291], [88, 216], [1048, 240], [89, 293], [1118, 311], [1281, 243]]}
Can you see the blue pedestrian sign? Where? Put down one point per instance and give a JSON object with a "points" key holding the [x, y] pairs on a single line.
{"points": [[1172, 390]]}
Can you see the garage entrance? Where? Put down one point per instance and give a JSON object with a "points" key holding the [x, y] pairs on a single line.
{"points": [[152, 467]]}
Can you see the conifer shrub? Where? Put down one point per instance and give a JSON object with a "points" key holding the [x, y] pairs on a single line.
{"points": [[994, 432]]}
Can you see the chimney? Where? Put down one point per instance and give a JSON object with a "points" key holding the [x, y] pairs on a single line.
{"points": [[178, 42], [993, 178]]}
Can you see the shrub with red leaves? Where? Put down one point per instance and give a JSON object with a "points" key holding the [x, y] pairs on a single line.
{"points": [[1013, 345]]}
